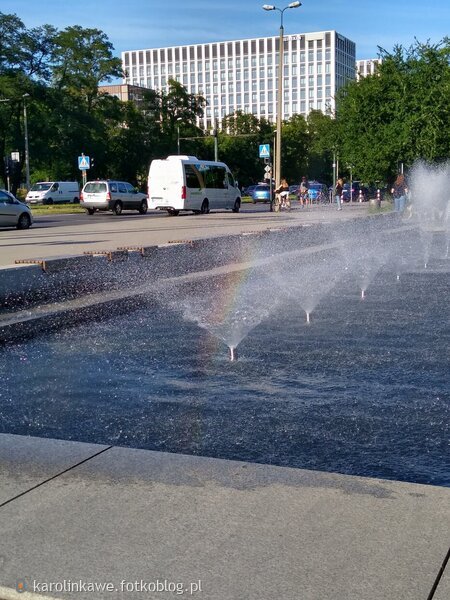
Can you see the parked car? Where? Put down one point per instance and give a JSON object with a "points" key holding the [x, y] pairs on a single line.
{"points": [[112, 195], [14, 213], [261, 193], [357, 187], [52, 192], [248, 190], [318, 192]]}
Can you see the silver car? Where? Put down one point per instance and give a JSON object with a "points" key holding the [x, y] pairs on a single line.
{"points": [[112, 195], [14, 213]]}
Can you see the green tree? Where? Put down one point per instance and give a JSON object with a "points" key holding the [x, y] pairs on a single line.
{"points": [[239, 140], [402, 113], [83, 58], [294, 149]]}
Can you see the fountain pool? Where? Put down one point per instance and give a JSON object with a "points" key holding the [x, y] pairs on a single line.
{"points": [[362, 390]]}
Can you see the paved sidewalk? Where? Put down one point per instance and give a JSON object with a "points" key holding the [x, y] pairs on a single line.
{"points": [[80, 513]]}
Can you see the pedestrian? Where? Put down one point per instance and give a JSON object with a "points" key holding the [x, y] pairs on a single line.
{"points": [[283, 193], [399, 191], [304, 191], [338, 192]]}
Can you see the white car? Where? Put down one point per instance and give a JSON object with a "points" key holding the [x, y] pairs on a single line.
{"points": [[112, 195], [14, 213]]}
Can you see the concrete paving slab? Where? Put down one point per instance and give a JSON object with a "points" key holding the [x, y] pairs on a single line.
{"points": [[28, 461], [237, 530], [443, 589]]}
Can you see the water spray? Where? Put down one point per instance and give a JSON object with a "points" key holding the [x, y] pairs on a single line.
{"points": [[363, 293], [398, 277], [233, 353], [307, 318]]}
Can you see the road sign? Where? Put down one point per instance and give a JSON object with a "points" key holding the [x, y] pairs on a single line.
{"points": [[264, 151], [267, 168], [15, 156], [83, 162]]}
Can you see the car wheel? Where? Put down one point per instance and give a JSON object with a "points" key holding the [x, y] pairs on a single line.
{"points": [[204, 210], [237, 206], [173, 213], [117, 208], [90, 211], [49, 201], [24, 221], [143, 207]]}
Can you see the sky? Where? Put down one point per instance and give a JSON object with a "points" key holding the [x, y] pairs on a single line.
{"points": [[140, 24]]}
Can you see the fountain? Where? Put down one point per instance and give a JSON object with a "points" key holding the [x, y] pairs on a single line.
{"points": [[363, 390], [228, 307], [428, 187], [306, 281]]}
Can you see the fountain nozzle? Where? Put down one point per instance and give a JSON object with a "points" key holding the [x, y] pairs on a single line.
{"points": [[233, 354]]}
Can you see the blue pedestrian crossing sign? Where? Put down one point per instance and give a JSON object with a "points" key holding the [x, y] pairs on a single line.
{"points": [[84, 162], [264, 151]]}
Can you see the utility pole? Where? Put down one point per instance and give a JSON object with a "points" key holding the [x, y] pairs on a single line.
{"points": [[216, 141], [27, 153]]}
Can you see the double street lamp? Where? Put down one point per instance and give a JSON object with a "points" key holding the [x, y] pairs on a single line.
{"points": [[280, 88]]}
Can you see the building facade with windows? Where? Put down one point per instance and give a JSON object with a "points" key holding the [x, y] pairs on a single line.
{"points": [[124, 92], [366, 67], [243, 74]]}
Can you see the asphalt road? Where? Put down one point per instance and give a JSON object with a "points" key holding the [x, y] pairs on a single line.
{"points": [[63, 235]]}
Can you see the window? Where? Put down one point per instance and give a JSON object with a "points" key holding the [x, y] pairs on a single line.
{"points": [[122, 188], [192, 177], [215, 177]]}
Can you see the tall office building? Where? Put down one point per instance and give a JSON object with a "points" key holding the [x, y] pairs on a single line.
{"points": [[366, 67], [243, 74]]}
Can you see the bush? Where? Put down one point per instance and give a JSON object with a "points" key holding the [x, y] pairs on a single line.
{"points": [[21, 194]]}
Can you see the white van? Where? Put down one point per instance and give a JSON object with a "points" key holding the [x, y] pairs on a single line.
{"points": [[187, 183], [51, 192]]}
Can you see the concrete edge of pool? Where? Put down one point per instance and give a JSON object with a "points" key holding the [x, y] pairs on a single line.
{"points": [[74, 512]]}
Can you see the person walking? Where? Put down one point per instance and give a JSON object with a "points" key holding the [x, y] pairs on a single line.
{"points": [[338, 192], [399, 191], [303, 191]]}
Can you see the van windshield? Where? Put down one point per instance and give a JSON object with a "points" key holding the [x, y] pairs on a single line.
{"points": [[94, 187], [41, 187]]}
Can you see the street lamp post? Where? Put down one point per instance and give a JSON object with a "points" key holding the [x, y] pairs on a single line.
{"points": [[280, 89], [178, 135], [27, 153]]}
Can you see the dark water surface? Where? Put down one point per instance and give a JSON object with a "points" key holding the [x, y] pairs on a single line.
{"points": [[363, 390]]}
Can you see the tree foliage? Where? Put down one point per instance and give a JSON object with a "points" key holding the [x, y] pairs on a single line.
{"points": [[400, 114]]}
